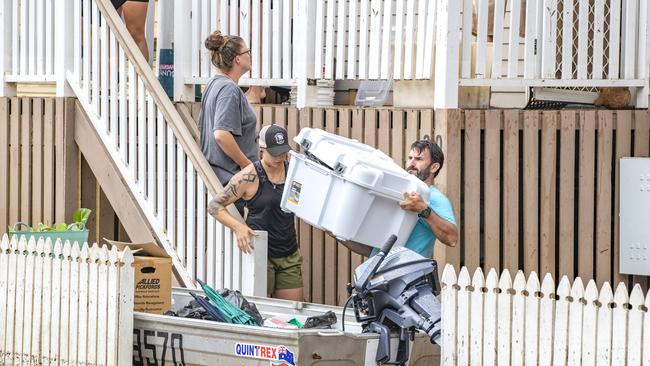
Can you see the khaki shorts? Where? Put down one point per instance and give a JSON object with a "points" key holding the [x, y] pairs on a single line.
{"points": [[284, 273]]}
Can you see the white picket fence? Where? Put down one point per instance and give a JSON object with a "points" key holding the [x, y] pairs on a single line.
{"points": [[501, 321], [65, 304], [159, 161]]}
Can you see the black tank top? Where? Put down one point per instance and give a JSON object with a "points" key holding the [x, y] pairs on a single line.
{"points": [[264, 213]]}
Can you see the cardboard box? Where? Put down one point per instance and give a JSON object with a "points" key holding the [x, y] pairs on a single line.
{"points": [[153, 277]]}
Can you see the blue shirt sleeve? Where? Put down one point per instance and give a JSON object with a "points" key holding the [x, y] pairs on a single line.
{"points": [[440, 204]]}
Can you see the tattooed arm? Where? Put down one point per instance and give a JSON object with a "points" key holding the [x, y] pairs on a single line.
{"points": [[242, 185]]}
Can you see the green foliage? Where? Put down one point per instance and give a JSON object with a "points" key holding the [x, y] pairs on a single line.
{"points": [[59, 227], [81, 216], [79, 220]]}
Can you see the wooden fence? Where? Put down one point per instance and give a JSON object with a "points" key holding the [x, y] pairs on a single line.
{"points": [[33, 161], [65, 304], [531, 190], [501, 321], [43, 176], [538, 191]]}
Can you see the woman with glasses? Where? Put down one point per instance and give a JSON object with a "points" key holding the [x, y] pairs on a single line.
{"points": [[227, 122]]}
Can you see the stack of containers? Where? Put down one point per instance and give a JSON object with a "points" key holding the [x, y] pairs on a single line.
{"points": [[325, 92], [349, 189]]}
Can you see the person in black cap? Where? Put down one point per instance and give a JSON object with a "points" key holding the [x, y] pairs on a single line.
{"points": [[260, 186]]}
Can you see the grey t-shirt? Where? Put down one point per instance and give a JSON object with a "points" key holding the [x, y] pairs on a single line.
{"points": [[224, 107]]}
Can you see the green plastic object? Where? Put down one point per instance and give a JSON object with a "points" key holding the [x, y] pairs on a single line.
{"points": [[76, 232], [232, 313], [295, 322]]}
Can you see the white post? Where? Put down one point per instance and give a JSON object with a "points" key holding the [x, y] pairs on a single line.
{"points": [[165, 25], [304, 60], [642, 56], [254, 284], [629, 32], [182, 50], [164, 46], [64, 45], [6, 48], [447, 49], [148, 29], [125, 326]]}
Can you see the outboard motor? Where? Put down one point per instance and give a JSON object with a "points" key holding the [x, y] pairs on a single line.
{"points": [[395, 291]]}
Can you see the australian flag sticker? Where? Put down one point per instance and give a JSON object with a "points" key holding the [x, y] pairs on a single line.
{"points": [[285, 357]]}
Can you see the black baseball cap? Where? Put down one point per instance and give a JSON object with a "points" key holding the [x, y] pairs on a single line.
{"points": [[274, 139]]}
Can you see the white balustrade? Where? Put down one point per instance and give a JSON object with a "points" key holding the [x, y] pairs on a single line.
{"points": [[491, 43]]}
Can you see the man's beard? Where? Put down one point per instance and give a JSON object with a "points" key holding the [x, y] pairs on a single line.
{"points": [[421, 174]]}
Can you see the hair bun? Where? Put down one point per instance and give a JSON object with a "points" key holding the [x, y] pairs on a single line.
{"points": [[223, 49], [215, 41]]}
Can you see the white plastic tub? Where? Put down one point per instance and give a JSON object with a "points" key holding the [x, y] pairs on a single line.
{"points": [[349, 189]]}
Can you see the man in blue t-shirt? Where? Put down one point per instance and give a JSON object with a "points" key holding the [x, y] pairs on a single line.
{"points": [[436, 217]]}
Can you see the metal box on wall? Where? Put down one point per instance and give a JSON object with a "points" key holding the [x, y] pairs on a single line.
{"points": [[634, 216]]}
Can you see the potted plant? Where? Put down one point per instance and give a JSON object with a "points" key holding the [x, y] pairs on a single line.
{"points": [[74, 232]]}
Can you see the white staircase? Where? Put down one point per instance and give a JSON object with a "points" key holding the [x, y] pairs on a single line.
{"points": [[149, 147]]}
